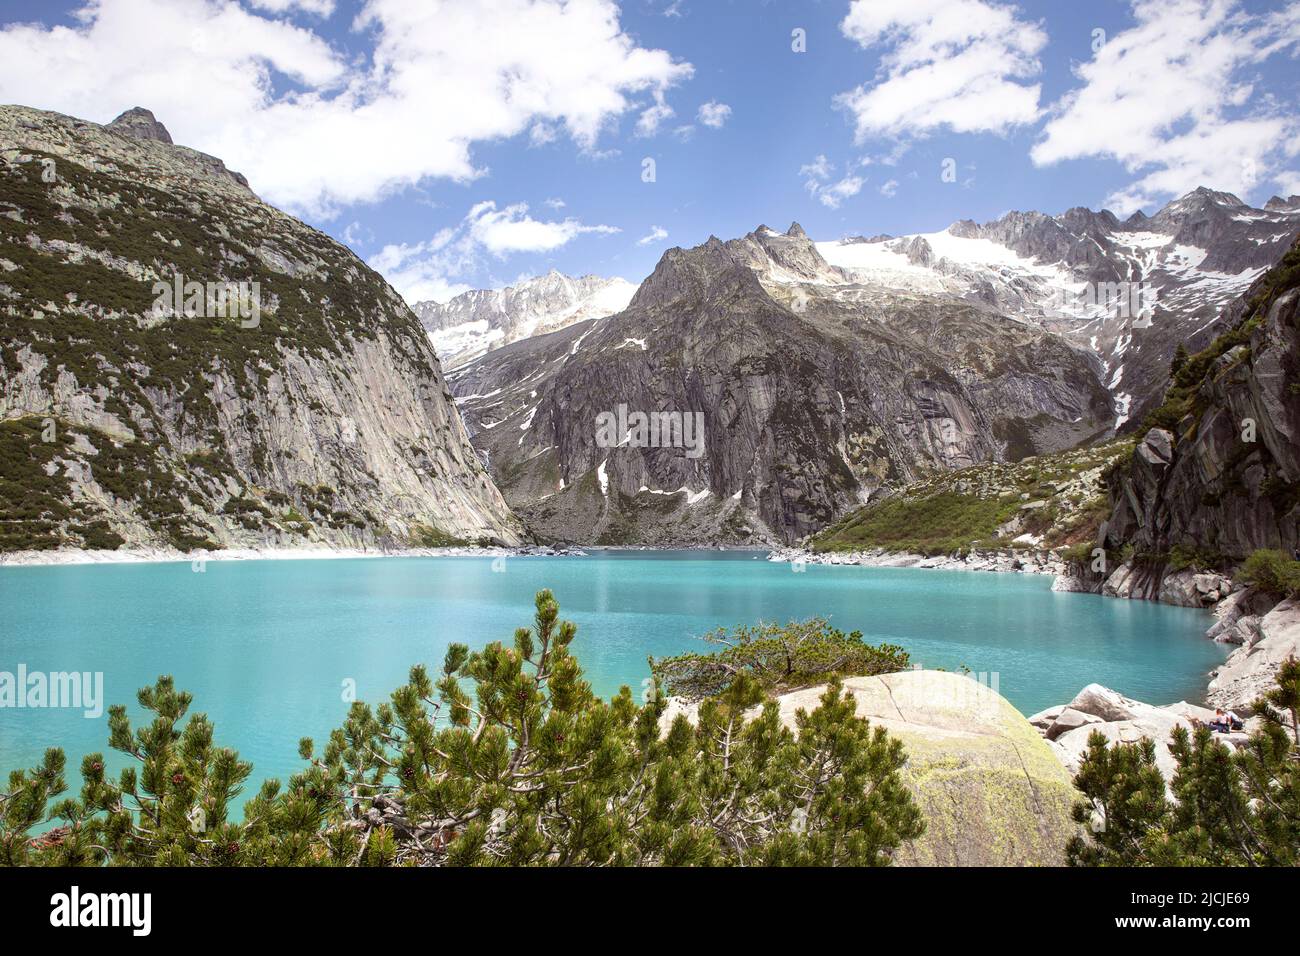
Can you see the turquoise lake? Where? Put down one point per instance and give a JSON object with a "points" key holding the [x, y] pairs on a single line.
{"points": [[265, 646]]}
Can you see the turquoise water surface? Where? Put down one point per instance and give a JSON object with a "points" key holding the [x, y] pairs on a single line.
{"points": [[265, 646]]}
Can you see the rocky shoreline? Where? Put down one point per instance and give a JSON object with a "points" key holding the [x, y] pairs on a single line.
{"points": [[1265, 630]]}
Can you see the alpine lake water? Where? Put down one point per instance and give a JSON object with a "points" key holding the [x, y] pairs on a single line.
{"points": [[270, 648]]}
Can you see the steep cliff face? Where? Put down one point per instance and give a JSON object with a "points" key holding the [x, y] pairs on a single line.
{"points": [[813, 392], [1218, 476], [309, 407]]}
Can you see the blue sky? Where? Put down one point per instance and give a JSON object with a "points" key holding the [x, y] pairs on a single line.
{"points": [[458, 145]]}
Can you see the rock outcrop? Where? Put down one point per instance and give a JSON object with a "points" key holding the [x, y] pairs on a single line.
{"points": [[991, 791], [1252, 668], [1098, 709], [1218, 476], [288, 397]]}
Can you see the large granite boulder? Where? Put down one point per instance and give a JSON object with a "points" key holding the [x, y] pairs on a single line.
{"points": [[990, 789]]}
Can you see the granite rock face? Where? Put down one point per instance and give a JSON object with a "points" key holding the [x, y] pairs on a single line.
{"points": [[1252, 668], [813, 390], [308, 409], [1098, 709], [1220, 476]]}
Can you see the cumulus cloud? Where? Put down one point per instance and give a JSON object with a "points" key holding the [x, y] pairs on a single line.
{"points": [[963, 65], [656, 234], [713, 113], [508, 230], [889, 189], [1173, 99], [315, 128], [434, 269]]}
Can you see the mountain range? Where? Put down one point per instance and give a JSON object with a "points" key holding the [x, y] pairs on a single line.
{"points": [[478, 321], [748, 391], [831, 372]]}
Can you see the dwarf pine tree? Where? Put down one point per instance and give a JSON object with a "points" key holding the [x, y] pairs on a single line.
{"points": [[504, 757], [1229, 808]]}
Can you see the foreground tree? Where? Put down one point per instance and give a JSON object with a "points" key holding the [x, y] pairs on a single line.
{"points": [[1229, 808], [525, 767]]}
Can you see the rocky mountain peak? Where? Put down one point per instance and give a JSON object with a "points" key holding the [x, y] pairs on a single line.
{"points": [[796, 231], [140, 123]]}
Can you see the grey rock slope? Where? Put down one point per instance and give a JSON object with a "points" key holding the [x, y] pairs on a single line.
{"points": [[478, 321], [814, 391], [324, 420]]}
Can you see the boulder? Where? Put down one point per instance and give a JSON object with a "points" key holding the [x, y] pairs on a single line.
{"points": [[1105, 704], [990, 788], [1045, 718], [1069, 719]]}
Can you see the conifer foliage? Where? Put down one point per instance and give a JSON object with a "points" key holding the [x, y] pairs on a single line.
{"points": [[504, 757], [1228, 808]]}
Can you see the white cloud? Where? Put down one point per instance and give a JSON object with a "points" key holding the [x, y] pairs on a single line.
{"points": [[959, 64], [434, 270], [314, 127], [503, 231], [819, 169], [713, 113], [817, 176], [554, 203], [1288, 181], [831, 196], [889, 189], [1173, 99], [654, 116], [321, 8], [656, 234]]}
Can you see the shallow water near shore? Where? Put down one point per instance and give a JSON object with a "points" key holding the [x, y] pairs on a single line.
{"points": [[267, 646]]}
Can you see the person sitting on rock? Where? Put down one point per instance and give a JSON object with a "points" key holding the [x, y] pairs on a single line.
{"points": [[1233, 721], [1220, 723]]}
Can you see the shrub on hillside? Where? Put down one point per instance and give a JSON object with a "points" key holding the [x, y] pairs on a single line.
{"points": [[1272, 571]]}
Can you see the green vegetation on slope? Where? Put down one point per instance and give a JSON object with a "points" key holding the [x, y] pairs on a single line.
{"points": [[1059, 498], [1186, 395], [1273, 572]]}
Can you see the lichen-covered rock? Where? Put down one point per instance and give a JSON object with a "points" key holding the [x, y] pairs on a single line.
{"points": [[990, 788]]}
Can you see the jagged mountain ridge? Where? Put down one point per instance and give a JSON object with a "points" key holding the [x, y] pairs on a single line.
{"points": [[1193, 257], [480, 320], [324, 420], [817, 390]]}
